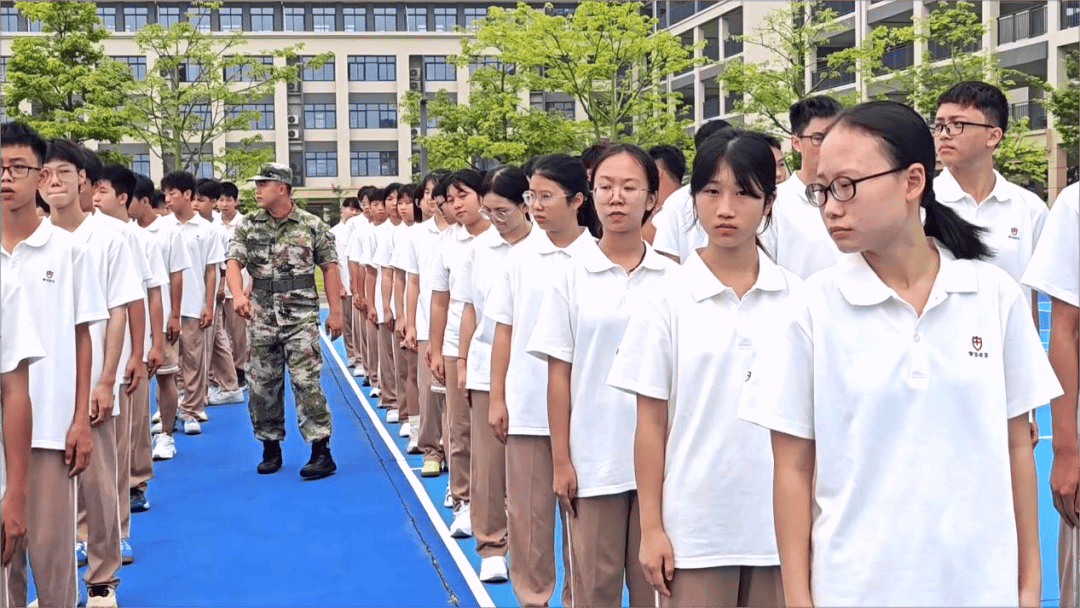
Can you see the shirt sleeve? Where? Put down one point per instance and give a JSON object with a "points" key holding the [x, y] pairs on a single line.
{"points": [[499, 306], [553, 334], [1029, 378], [90, 304], [179, 259], [124, 284], [156, 260], [385, 249], [323, 243], [141, 258], [667, 231], [440, 270], [462, 288], [644, 363], [356, 245], [1054, 268], [19, 339], [401, 245], [411, 263]]}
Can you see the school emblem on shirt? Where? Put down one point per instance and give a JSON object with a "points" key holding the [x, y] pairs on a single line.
{"points": [[977, 344], [1014, 234], [48, 277]]}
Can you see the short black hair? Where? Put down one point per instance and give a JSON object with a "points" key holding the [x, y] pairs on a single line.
{"points": [[229, 189], [65, 150], [351, 202], [122, 180], [673, 158], [15, 133], [589, 156], [773, 140], [803, 111], [144, 186], [210, 188], [157, 199], [708, 129], [181, 180], [93, 165], [376, 194], [982, 96]]}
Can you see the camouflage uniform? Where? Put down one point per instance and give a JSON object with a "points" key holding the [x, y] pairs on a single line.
{"points": [[284, 327]]}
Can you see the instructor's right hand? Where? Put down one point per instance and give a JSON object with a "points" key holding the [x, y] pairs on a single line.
{"points": [[242, 306]]}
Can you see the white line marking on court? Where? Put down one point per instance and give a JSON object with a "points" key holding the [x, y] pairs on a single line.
{"points": [[470, 575]]}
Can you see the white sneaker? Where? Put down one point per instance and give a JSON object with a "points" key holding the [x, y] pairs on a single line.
{"points": [[392, 416], [358, 372], [493, 569], [156, 429], [192, 427], [448, 500], [375, 392], [462, 526], [164, 447], [223, 397], [405, 429], [156, 417], [414, 435]]}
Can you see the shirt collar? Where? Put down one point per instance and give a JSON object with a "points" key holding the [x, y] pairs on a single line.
{"points": [[861, 286], [262, 215], [705, 285], [948, 190], [546, 247], [41, 234], [594, 260], [195, 220]]}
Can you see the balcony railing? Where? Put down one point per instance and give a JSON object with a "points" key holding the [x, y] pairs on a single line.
{"points": [[1022, 25], [732, 47], [839, 80], [941, 51], [1070, 14], [1033, 110], [711, 107], [712, 49], [897, 59]]}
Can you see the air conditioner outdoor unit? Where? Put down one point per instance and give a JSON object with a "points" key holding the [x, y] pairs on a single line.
{"points": [[415, 85], [294, 133], [415, 133], [294, 87], [294, 119], [414, 73]]}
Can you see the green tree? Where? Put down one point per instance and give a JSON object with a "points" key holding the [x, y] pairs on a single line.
{"points": [[196, 90], [74, 90], [767, 89], [1064, 105], [950, 37]]}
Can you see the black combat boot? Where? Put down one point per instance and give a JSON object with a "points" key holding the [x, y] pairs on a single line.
{"points": [[321, 463], [271, 462]]}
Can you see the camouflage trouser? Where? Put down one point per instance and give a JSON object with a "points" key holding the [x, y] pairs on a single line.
{"points": [[271, 348]]}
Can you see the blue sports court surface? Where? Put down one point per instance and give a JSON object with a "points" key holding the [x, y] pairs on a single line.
{"points": [[374, 534]]}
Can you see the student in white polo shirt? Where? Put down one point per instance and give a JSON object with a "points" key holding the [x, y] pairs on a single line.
{"points": [[707, 530], [899, 391], [1054, 269], [197, 305], [560, 202], [358, 238], [55, 271], [671, 162], [19, 347], [235, 325], [971, 119], [582, 318], [364, 250], [384, 295], [406, 361], [342, 232], [113, 266]]}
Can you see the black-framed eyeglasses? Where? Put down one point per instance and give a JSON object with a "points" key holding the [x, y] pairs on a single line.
{"points": [[815, 138], [19, 171], [957, 127], [842, 189]]}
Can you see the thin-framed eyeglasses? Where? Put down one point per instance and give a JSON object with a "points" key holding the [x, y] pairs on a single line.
{"points": [[842, 189], [815, 138], [543, 200], [19, 171], [66, 174], [956, 127], [499, 215], [605, 193]]}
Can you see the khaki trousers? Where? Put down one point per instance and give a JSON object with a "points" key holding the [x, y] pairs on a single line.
{"points": [[387, 378], [361, 329], [50, 534], [371, 359], [432, 411], [236, 329], [605, 540], [1067, 556], [487, 480], [193, 377], [99, 513], [142, 460], [219, 354], [130, 409], [459, 426], [406, 362], [530, 502], [348, 328], [726, 586]]}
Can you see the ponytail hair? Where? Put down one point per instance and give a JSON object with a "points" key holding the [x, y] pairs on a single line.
{"points": [[569, 173], [508, 182], [906, 140]]}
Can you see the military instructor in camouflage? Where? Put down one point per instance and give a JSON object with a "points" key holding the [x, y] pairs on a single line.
{"points": [[280, 246]]}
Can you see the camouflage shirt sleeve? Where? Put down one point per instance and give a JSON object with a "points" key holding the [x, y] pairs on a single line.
{"points": [[238, 249], [324, 243]]}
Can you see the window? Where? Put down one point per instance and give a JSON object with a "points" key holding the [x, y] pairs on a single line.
{"points": [[33, 26], [355, 19], [3, 69], [372, 116], [566, 107], [324, 18], [107, 14], [243, 72], [385, 19], [200, 115], [366, 163], [324, 73], [320, 116], [168, 15], [320, 164], [205, 169], [140, 163], [474, 14], [445, 18], [373, 68], [231, 18], [137, 63], [189, 71], [294, 19], [416, 19], [200, 18], [135, 17], [9, 19], [262, 19], [484, 61], [265, 122], [437, 70]]}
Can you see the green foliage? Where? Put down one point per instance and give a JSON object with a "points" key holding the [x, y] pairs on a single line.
{"points": [[190, 93], [769, 88], [75, 90], [1064, 105]]}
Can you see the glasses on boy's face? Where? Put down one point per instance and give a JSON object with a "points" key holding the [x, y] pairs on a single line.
{"points": [[815, 138], [66, 174], [18, 171], [842, 189], [955, 128], [499, 215]]}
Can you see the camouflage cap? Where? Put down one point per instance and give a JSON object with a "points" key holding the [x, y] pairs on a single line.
{"points": [[273, 172]]}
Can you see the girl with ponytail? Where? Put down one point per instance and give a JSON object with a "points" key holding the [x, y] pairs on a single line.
{"points": [[898, 393]]}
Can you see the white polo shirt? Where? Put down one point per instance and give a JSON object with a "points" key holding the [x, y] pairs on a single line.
{"points": [[230, 230], [797, 237], [515, 300], [1013, 217], [384, 254], [446, 272], [582, 319], [482, 265], [1054, 268], [691, 344], [18, 342], [58, 278], [175, 254], [342, 232], [909, 415], [149, 261], [423, 241], [204, 247], [379, 246], [677, 230]]}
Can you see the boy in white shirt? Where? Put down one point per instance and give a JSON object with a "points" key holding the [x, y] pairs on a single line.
{"points": [[197, 305], [342, 232], [53, 269], [235, 325]]}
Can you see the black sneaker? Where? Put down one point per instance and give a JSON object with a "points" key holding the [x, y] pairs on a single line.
{"points": [[271, 462], [139, 504], [321, 463]]}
